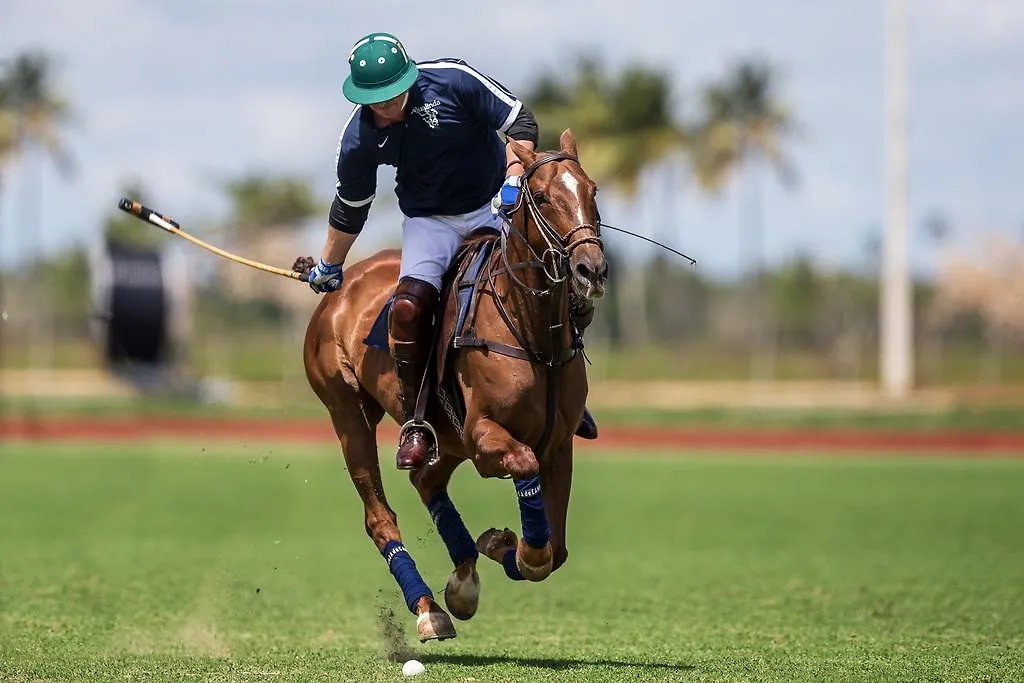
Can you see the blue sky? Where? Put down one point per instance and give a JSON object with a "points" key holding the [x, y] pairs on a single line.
{"points": [[184, 94]]}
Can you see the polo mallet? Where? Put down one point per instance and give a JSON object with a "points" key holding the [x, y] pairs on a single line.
{"points": [[159, 220]]}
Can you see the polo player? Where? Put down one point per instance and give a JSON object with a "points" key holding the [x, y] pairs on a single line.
{"points": [[437, 122]]}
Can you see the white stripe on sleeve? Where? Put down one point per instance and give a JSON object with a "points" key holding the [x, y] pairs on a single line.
{"points": [[357, 204], [516, 108], [498, 92]]}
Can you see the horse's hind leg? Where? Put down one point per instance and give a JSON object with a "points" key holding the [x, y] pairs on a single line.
{"points": [[359, 446], [462, 592]]}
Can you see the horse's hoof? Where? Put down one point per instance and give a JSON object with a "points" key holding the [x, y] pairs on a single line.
{"points": [[434, 624], [462, 594], [494, 543], [534, 563]]}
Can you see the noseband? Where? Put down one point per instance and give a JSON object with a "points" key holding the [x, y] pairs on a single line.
{"points": [[554, 261]]}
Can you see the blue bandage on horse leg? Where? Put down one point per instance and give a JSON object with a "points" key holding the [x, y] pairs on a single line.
{"points": [[531, 511], [511, 568], [453, 531], [404, 570]]}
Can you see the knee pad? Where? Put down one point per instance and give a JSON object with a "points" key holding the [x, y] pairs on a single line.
{"points": [[412, 311]]}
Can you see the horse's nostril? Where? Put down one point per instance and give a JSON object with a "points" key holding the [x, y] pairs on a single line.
{"points": [[595, 275]]}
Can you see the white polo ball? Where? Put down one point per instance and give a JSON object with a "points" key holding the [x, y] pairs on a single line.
{"points": [[413, 667]]}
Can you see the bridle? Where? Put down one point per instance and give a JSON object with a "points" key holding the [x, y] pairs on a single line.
{"points": [[554, 260]]}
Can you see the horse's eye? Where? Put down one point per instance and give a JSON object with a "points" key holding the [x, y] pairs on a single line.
{"points": [[539, 197]]}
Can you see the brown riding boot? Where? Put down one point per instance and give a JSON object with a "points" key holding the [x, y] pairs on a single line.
{"points": [[410, 325], [416, 442]]}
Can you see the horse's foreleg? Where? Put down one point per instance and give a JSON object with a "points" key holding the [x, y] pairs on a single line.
{"points": [[462, 592], [359, 447], [556, 480], [497, 454], [530, 557]]}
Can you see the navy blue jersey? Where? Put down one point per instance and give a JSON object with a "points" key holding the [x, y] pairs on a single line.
{"points": [[448, 155]]}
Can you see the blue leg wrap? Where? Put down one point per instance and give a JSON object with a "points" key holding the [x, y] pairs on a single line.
{"points": [[531, 510], [404, 570], [509, 563], [453, 532]]}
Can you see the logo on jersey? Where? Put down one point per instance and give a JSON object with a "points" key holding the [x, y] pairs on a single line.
{"points": [[428, 112]]}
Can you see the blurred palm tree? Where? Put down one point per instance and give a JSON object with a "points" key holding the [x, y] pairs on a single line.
{"points": [[743, 121], [265, 222], [32, 111], [262, 202], [625, 125], [742, 130], [32, 115], [266, 216]]}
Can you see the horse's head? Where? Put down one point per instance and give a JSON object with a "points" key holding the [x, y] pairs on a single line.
{"points": [[559, 198]]}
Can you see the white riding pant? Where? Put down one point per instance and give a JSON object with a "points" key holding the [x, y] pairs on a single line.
{"points": [[430, 243]]}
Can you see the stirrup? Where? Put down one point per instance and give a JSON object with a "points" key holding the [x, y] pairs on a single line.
{"points": [[434, 454]]}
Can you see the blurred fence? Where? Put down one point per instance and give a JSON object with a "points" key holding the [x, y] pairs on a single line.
{"points": [[806, 326]]}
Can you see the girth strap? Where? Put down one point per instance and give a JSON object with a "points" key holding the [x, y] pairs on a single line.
{"points": [[470, 342]]}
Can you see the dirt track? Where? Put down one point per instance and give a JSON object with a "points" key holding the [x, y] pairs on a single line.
{"points": [[805, 441]]}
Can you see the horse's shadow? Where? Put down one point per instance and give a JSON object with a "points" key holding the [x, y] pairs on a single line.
{"points": [[551, 663]]}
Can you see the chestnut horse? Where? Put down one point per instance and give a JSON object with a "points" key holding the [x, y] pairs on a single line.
{"points": [[523, 385]]}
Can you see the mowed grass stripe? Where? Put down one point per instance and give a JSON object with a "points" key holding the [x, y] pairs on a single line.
{"points": [[162, 561]]}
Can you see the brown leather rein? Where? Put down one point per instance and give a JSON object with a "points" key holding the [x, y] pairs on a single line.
{"points": [[554, 263]]}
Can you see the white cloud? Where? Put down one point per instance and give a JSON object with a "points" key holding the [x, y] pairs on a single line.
{"points": [[985, 24]]}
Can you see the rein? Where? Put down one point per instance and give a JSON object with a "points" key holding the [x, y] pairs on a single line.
{"points": [[553, 262]]}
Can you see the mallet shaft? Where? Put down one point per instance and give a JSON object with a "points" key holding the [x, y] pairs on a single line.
{"points": [[166, 223]]}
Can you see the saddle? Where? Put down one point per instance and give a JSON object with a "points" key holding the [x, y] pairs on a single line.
{"points": [[460, 291]]}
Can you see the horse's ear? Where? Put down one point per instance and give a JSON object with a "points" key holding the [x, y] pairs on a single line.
{"points": [[568, 142], [525, 154]]}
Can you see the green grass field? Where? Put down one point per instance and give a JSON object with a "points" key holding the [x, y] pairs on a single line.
{"points": [[172, 562]]}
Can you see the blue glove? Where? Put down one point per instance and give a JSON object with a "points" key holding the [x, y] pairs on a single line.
{"points": [[510, 191], [325, 277]]}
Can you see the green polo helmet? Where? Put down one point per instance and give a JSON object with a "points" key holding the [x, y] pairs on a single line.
{"points": [[380, 69]]}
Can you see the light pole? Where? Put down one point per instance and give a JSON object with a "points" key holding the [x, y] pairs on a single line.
{"points": [[3, 290], [896, 317]]}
